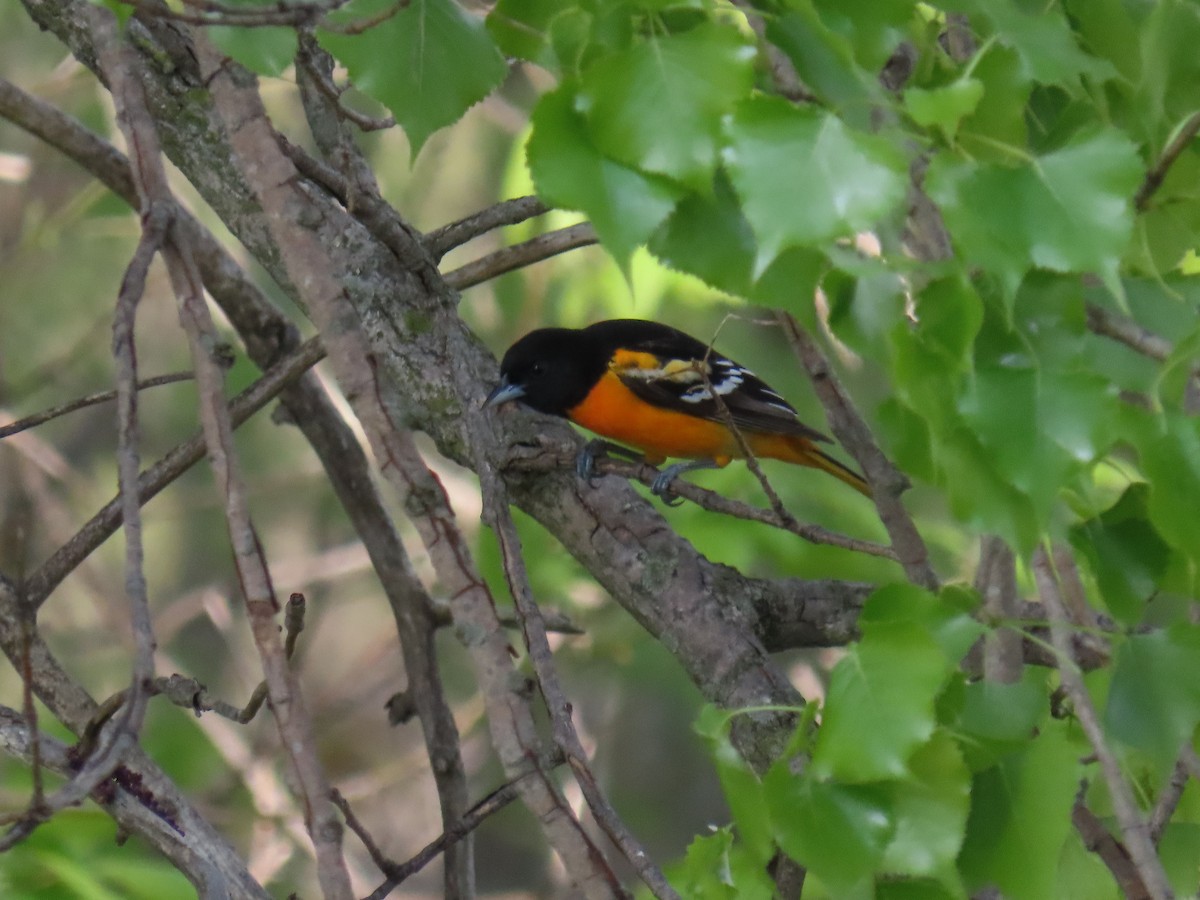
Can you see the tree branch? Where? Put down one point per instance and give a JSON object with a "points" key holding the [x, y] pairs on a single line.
{"points": [[1133, 829], [1158, 172], [852, 432], [272, 178]]}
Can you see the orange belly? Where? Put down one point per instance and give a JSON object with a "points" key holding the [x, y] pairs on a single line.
{"points": [[613, 411]]}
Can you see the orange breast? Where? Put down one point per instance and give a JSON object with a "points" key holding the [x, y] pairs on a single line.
{"points": [[613, 411]]}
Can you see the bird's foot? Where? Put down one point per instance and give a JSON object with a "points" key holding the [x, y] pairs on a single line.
{"points": [[585, 462], [661, 485]]}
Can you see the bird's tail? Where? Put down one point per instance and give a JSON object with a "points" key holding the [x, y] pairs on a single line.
{"points": [[826, 463], [803, 452]]}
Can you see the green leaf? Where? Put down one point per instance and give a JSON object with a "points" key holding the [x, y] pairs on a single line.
{"points": [[873, 27], [658, 105], [1170, 65], [267, 51], [805, 178], [741, 786], [997, 719], [880, 703], [1067, 211], [944, 107], [930, 810], [1125, 552], [707, 236], [949, 314], [521, 28], [718, 868], [428, 63], [1001, 407], [1104, 27], [998, 126], [1044, 40], [1021, 816], [915, 889], [946, 618], [790, 283], [837, 831], [1154, 699], [624, 205], [907, 437], [701, 874], [825, 62], [1170, 455]]}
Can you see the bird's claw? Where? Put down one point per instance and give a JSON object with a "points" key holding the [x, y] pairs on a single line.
{"points": [[585, 462], [661, 488]]}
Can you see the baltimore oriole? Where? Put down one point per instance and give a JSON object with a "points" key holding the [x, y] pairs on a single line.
{"points": [[650, 386]]}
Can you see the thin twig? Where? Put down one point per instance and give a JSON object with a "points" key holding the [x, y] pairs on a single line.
{"points": [[108, 519], [349, 472], [189, 693], [1097, 839], [550, 457], [116, 62], [397, 873], [1134, 832], [288, 703], [510, 212], [71, 406], [783, 71], [324, 83], [748, 454], [498, 517], [272, 178], [1128, 332], [207, 12], [1185, 769], [520, 255], [1158, 173]]}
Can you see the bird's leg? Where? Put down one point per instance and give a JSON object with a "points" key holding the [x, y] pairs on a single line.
{"points": [[661, 486], [585, 462]]}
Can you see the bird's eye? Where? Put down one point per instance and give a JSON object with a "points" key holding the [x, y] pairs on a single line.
{"points": [[536, 369]]}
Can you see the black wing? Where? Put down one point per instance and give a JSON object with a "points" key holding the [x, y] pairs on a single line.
{"points": [[682, 373]]}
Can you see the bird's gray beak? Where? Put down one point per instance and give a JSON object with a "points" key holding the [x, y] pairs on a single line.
{"points": [[503, 393]]}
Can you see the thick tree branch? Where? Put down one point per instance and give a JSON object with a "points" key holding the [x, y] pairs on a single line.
{"points": [[411, 606], [276, 189], [287, 702]]}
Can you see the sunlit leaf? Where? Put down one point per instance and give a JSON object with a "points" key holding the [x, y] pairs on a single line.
{"points": [[658, 106], [428, 63], [624, 205], [1067, 211], [805, 178], [880, 703]]}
